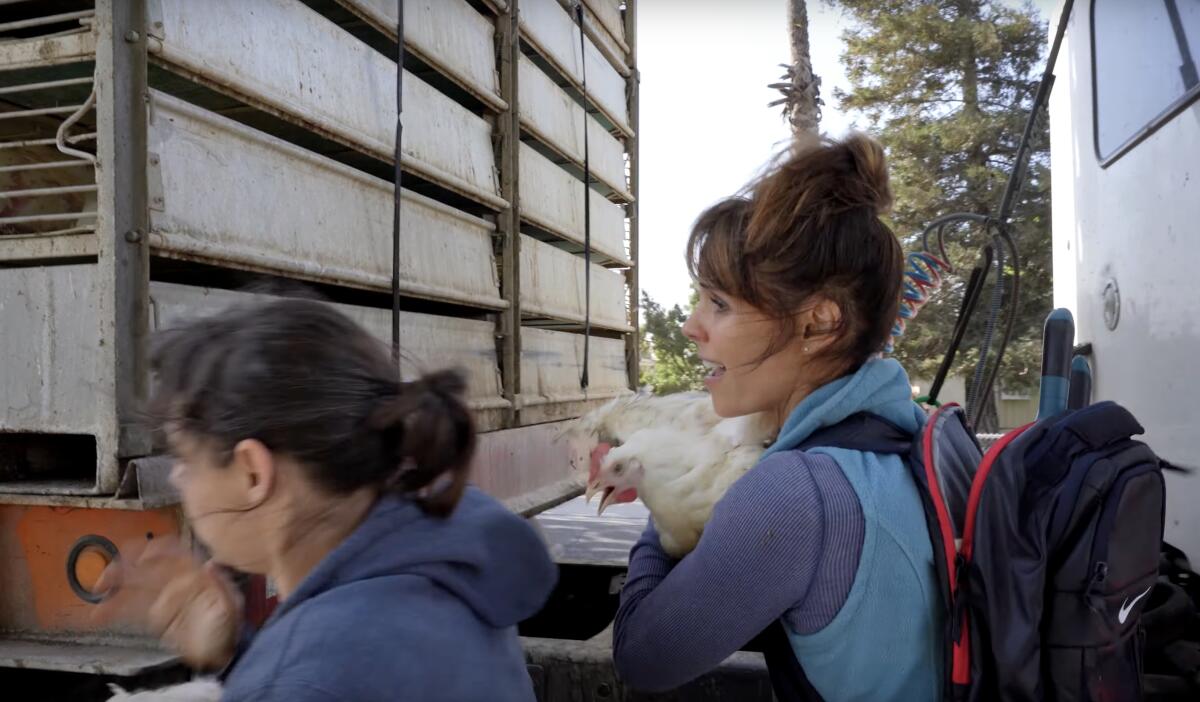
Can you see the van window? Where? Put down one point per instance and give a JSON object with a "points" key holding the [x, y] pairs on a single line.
{"points": [[1144, 60]]}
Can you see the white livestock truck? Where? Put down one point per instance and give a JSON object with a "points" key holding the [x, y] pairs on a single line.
{"points": [[160, 159], [157, 157], [1125, 169]]}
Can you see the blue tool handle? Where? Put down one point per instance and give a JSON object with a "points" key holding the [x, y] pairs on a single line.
{"points": [[1058, 339], [1080, 394]]}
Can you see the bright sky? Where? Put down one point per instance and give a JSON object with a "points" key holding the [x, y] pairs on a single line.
{"points": [[705, 125]]}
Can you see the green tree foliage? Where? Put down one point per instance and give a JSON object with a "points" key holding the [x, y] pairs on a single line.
{"points": [[947, 86], [676, 366]]}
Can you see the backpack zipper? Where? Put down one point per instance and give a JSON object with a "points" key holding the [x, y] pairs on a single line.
{"points": [[1095, 587]]}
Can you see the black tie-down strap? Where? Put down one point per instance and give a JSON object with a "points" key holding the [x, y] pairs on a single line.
{"points": [[397, 174], [587, 207]]}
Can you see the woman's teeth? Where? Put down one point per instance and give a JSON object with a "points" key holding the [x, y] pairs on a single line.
{"points": [[714, 369]]}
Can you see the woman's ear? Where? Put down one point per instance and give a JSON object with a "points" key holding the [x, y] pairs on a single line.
{"points": [[819, 323], [257, 470]]}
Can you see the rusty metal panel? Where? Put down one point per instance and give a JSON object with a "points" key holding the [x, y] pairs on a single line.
{"points": [[429, 342], [526, 467], [553, 285], [46, 51], [609, 47], [551, 366], [56, 376], [614, 49], [287, 210], [39, 247], [554, 32], [552, 199], [447, 34], [283, 57], [53, 371], [608, 13], [555, 118]]}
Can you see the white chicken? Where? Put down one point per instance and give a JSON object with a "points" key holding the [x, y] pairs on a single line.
{"points": [[673, 452], [678, 475]]}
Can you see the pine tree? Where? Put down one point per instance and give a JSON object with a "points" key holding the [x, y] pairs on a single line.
{"points": [[947, 87]]}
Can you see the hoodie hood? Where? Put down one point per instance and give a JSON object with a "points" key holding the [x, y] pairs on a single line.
{"points": [[488, 557], [880, 387]]}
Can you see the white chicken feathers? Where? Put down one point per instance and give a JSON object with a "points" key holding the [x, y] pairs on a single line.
{"points": [[675, 451], [680, 476], [619, 418]]}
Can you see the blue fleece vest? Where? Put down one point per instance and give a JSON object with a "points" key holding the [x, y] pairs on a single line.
{"points": [[883, 643]]}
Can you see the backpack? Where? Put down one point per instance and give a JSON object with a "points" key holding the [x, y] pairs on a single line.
{"points": [[1171, 620], [1047, 548]]}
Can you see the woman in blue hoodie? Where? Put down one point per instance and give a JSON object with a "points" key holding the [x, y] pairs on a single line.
{"points": [[799, 287], [300, 456]]}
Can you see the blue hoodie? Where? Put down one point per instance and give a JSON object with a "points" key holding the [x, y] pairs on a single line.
{"points": [[409, 606]]}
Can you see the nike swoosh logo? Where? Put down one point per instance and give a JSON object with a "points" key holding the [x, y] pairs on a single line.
{"points": [[1123, 614]]}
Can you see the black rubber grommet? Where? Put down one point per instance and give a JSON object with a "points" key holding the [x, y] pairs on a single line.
{"points": [[89, 541]]}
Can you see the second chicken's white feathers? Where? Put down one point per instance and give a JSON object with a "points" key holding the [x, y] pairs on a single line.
{"points": [[615, 421]]}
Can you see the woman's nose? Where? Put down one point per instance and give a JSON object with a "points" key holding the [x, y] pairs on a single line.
{"points": [[692, 328]]}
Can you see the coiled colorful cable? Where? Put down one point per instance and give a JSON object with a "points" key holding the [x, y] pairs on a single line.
{"points": [[922, 277]]}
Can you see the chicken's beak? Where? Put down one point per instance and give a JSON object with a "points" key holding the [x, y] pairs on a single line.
{"points": [[608, 500], [592, 488]]}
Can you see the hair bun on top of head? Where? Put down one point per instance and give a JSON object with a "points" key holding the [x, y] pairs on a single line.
{"points": [[868, 184], [819, 178]]}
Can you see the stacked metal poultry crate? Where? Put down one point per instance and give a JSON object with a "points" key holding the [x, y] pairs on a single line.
{"points": [[162, 159]]}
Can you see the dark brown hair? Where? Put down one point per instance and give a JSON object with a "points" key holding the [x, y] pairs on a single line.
{"points": [[309, 383], [809, 226]]}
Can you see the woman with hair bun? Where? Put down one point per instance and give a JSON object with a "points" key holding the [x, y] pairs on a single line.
{"points": [[825, 550], [301, 456]]}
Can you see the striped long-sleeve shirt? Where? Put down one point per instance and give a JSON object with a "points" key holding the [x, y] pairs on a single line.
{"points": [[783, 543]]}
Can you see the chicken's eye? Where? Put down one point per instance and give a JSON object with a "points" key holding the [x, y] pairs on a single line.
{"points": [[619, 468]]}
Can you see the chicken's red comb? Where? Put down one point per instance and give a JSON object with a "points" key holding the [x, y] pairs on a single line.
{"points": [[598, 453]]}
